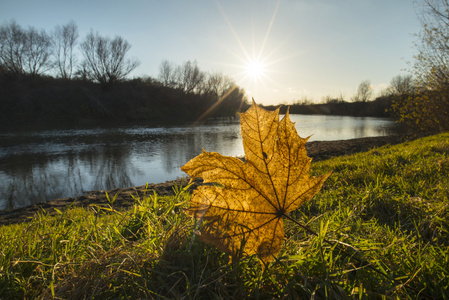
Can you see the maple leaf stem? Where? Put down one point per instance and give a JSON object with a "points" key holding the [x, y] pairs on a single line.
{"points": [[302, 226]]}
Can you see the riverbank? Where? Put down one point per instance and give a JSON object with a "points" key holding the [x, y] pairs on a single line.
{"points": [[319, 150]]}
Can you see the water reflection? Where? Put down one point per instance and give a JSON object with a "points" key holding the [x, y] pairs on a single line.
{"points": [[45, 165], [326, 128]]}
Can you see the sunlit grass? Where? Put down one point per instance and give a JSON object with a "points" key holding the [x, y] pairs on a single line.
{"points": [[381, 224]]}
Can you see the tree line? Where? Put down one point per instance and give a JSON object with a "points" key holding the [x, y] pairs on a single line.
{"points": [[96, 69], [29, 51], [361, 104]]}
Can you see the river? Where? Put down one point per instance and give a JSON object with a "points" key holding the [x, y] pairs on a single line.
{"points": [[42, 165]]}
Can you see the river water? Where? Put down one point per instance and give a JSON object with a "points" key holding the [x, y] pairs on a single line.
{"points": [[42, 165]]}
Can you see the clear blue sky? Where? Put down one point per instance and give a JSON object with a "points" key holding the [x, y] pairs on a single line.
{"points": [[311, 48]]}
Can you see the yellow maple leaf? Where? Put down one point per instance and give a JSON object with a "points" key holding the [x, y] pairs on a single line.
{"points": [[243, 216]]}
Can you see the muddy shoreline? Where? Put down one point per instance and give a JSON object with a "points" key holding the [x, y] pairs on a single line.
{"points": [[320, 150]]}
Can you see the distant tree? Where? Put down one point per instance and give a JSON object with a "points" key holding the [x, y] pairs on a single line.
{"points": [[24, 51], [38, 51], [304, 101], [328, 99], [233, 100], [364, 92], [214, 93], [401, 85], [64, 41], [82, 71], [105, 59], [167, 74], [217, 85], [187, 77], [12, 47], [229, 102]]}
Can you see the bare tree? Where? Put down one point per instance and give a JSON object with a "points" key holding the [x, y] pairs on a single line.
{"points": [[167, 74], [332, 100], [401, 85], [217, 85], [64, 42], [187, 77], [190, 76], [24, 51], [364, 92], [341, 98], [12, 47], [38, 58], [105, 59]]}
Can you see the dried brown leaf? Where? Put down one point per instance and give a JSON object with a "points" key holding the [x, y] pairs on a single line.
{"points": [[244, 215]]}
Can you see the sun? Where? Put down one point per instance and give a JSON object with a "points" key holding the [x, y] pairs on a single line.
{"points": [[257, 62], [255, 69]]}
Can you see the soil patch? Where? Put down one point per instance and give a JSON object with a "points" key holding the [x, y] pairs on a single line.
{"points": [[320, 150]]}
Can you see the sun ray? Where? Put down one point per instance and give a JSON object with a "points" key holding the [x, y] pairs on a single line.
{"points": [[267, 34], [232, 29], [255, 62]]}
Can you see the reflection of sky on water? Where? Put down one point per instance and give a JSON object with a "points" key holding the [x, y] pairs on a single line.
{"points": [[329, 128], [44, 165]]}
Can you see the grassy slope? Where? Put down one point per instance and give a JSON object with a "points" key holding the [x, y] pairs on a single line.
{"points": [[388, 207]]}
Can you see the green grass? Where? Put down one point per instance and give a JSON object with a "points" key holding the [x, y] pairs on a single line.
{"points": [[381, 223]]}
